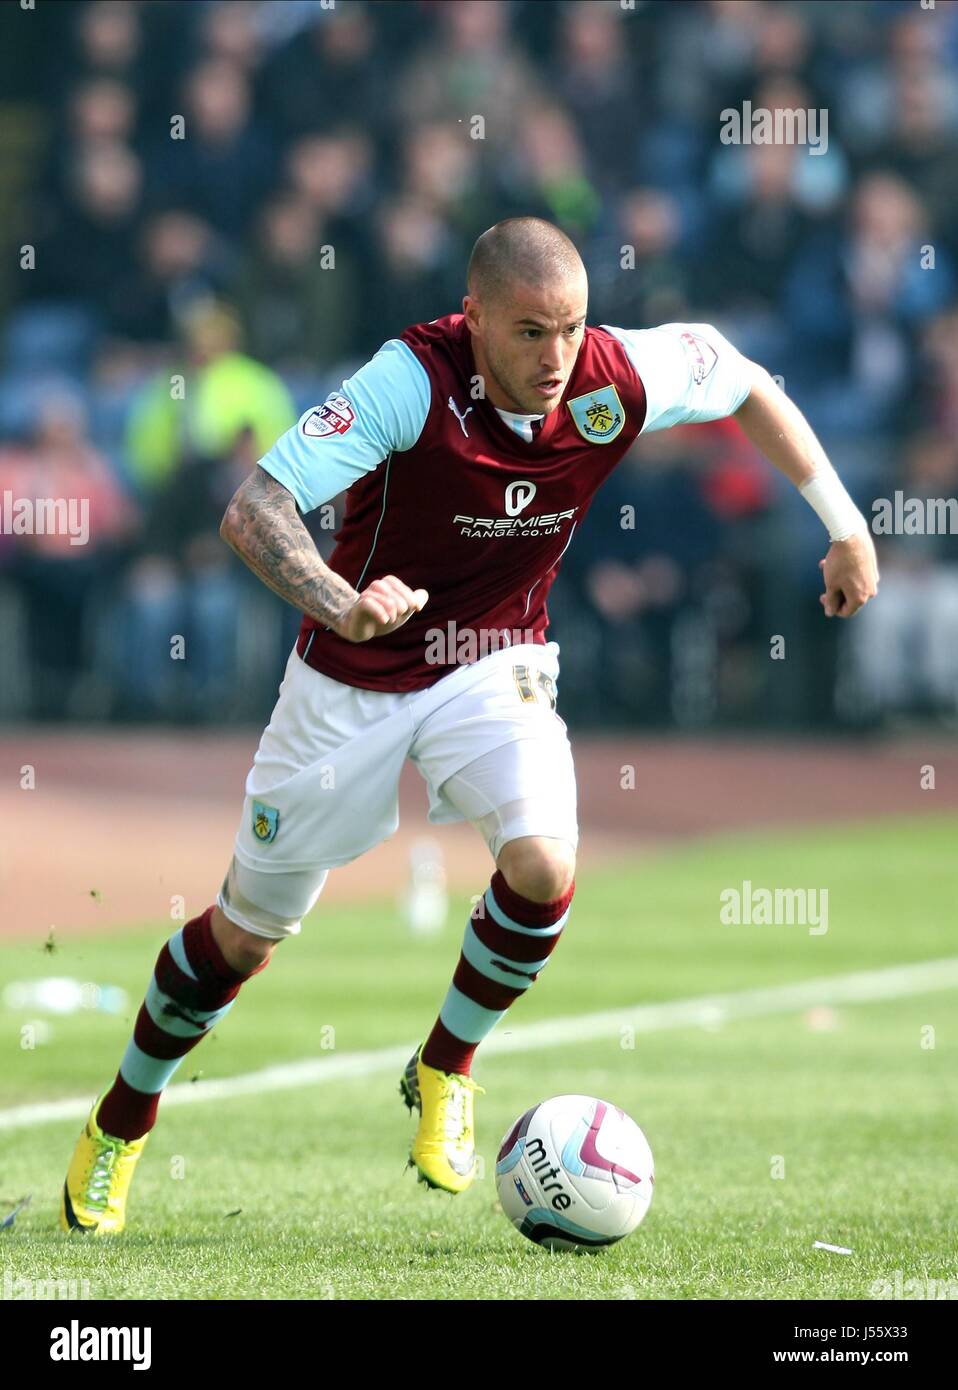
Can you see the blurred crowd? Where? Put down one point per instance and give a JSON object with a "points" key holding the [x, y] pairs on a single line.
{"points": [[227, 207]]}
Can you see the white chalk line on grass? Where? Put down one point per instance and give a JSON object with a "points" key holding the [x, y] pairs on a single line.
{"points": [[861, 987]]}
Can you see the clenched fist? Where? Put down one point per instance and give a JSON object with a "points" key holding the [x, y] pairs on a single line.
{"points": [[383, 606], [850, 572]]}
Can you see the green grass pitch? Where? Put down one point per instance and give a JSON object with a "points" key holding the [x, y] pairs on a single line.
{"points": [[860, 1111]]}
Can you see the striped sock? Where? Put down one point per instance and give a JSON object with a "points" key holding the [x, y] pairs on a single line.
{"points": [[192, 988], [508, 940]]}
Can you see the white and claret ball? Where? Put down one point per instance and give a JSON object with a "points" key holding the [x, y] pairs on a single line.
{"points": [[575, 1173]]}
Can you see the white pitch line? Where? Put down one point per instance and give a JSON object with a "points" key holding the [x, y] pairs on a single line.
{"points": [[861, 987]]}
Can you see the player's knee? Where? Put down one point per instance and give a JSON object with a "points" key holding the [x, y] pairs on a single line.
{"points": [[537, 867], [242, 949]]}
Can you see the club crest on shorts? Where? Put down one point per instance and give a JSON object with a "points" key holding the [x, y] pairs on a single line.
{"points": [[265, 822], [598, 415]]}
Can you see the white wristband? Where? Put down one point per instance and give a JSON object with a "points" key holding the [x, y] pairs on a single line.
{"points": [[825, 492]]}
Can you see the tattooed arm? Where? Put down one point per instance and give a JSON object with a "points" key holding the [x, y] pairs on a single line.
{"points": [[264, 527]]}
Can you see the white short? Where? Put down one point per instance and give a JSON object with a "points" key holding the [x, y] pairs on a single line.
{"points": [[324, 786]]}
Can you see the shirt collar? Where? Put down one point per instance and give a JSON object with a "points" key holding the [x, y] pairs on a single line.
{"points": [[525, 426]]}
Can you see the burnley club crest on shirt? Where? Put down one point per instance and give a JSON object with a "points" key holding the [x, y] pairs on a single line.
{"points": [[598, 415]]}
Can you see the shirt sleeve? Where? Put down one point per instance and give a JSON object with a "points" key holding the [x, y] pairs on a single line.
{"points": [[691, 373], [381, 409]]}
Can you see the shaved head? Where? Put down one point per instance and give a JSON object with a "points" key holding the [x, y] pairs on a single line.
{"points": [[525, 310], [526, 251]]}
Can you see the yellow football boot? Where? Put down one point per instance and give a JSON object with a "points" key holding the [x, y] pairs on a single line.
{"points": [[98, 1180], [444, 1149]]}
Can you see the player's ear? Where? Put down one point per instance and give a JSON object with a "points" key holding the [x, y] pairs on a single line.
{"points": [[470, 309]]}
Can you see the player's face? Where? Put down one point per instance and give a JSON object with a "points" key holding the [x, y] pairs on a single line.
{"points": [[525, 343]]}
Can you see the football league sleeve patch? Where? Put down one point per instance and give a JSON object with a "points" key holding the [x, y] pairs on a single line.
{"points": [[690, 371], [379, 410]]}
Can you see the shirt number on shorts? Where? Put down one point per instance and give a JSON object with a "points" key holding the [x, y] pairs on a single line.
{"points": [[529, 684]]}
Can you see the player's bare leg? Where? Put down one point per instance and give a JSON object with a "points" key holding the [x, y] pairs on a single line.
{"points": [[197, 977], [511, 934], [241, 949], [538, 867]]}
